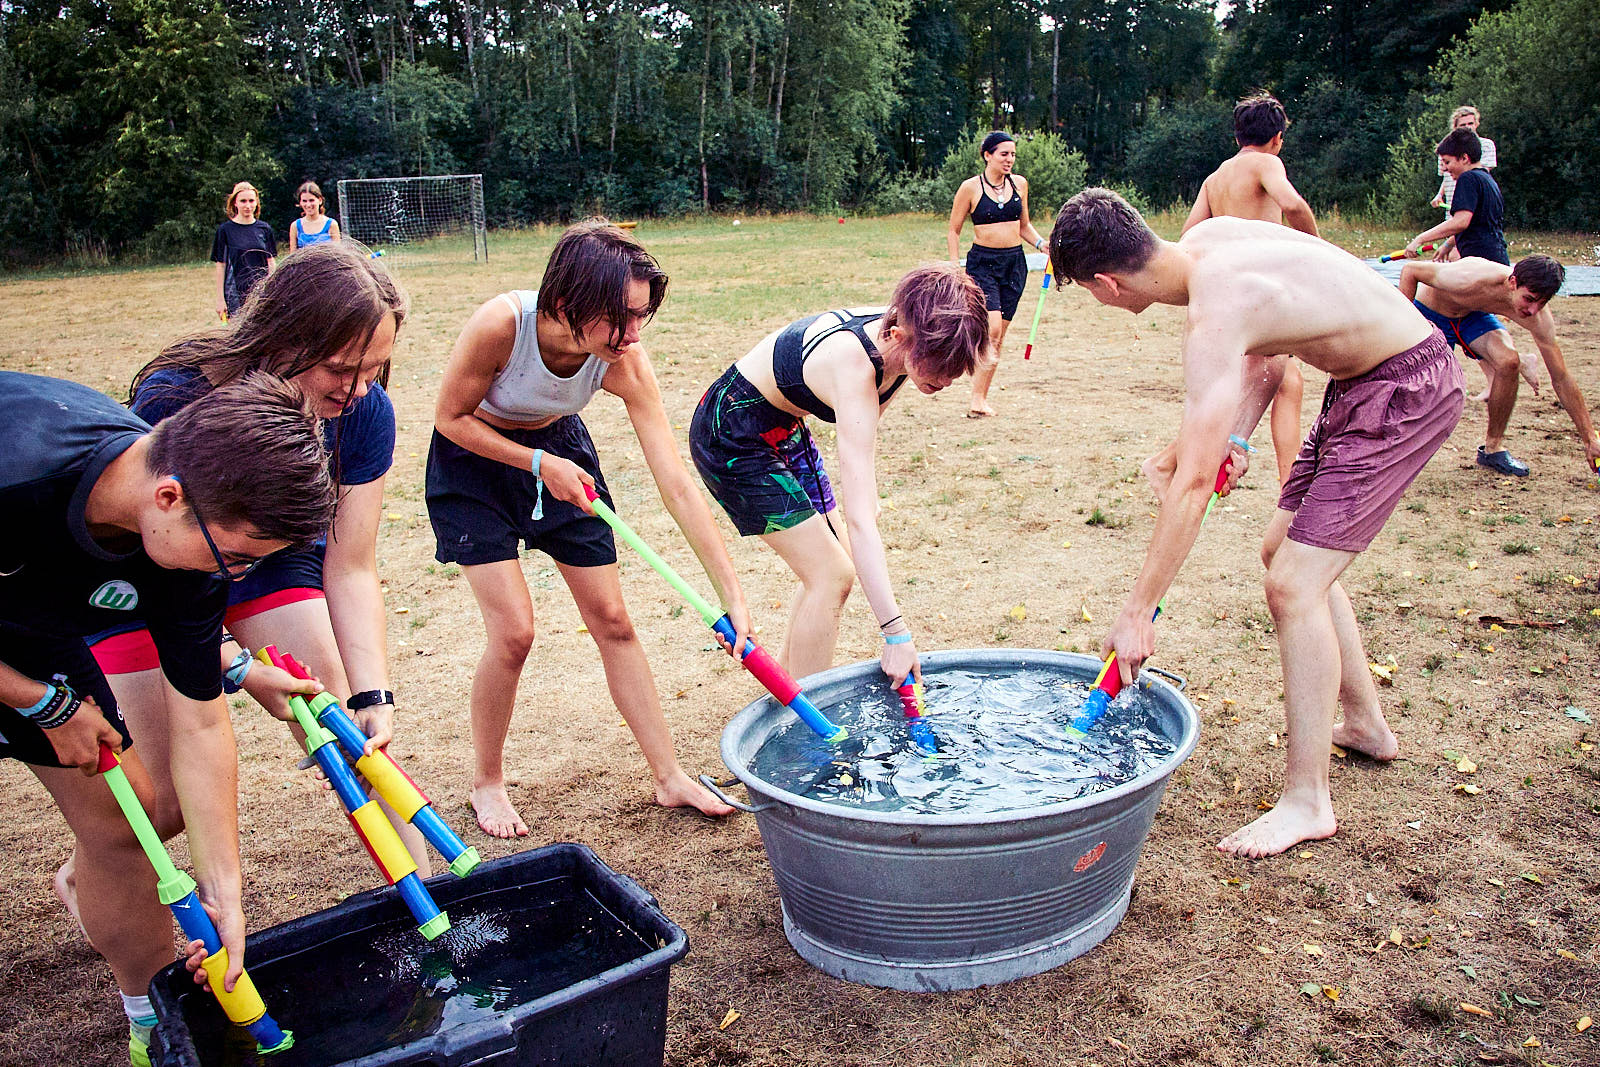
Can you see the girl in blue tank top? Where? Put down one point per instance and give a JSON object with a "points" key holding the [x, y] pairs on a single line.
{"points": [[508, 466], [312, 227]]}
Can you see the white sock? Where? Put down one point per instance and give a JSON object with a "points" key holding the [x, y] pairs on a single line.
{"points": [[141, 1016]]}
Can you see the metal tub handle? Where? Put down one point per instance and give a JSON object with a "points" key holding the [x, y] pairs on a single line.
{"points": [[716, 789], [1177, 679]]}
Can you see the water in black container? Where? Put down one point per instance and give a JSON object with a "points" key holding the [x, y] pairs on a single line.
{"points": [[552, 958]]}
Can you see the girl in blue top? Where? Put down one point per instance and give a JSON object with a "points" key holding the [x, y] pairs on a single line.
{"points": [[312, 227], [325, 321]]}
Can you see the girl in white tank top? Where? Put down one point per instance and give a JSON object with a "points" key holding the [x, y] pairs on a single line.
{"points": [[510, 463]]}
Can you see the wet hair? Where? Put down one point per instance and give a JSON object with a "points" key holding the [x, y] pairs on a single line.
{"points": [[588, 274], [995, 140], [321, 300], [250, 455], [1541, 275], [1462, 112], [310, 187], [1461, 143], [1098, 232], [949, 322], [233, 198], [1257, 119]]}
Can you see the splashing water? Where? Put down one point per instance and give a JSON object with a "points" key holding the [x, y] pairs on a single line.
{"points": [[999, 744]]}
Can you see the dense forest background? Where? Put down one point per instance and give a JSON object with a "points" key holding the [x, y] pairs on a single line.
{"points": [[124, 122]]}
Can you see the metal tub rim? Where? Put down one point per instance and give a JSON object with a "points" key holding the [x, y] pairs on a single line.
{"points": [[734, 734]]}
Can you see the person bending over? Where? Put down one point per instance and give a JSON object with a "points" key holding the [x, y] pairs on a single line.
{"points": [[1252, 290]]}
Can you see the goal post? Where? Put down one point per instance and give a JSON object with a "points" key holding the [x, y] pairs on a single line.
{"points": [[431, 216]]}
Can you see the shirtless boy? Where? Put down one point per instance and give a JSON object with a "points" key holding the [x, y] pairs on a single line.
{"points": [[1254, 185], [1252, 290], [1462, 298]]}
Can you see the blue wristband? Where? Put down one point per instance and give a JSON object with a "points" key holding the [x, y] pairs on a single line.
{"points": [[538, 484], [1235, 439], [233, 677], [49, 695], [897, 639]]}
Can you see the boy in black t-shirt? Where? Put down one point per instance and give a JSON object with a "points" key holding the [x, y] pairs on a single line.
{"points": [[108, 520], [1477, 210]]}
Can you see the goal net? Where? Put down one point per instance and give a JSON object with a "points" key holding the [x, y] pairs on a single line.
{"points": [[413, 219]]}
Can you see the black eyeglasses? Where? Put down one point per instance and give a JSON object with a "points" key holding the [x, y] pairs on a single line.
{"points": [[230, 572]]}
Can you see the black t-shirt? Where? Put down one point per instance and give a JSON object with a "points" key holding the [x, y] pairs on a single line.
{"points": [[243, 249], [57, 581], [1484, 236]]}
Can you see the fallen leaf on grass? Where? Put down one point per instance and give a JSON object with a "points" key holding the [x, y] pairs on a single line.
{"points": [[1339, 752], [1468, 788], [1118, 1045], [1383, 673], [1310, 989], [1529, 876], [1331, 992], [1584, 1024], [1272, 740], [1495, 882], [733, 1017], [1018, 612], [1313, 950], [1265, 951], [1566, 954], [1396, 936], [1532, 1042], [1466, 766], [1473, 1009], [1467, 970], [1083, 610], [1579, 715]]}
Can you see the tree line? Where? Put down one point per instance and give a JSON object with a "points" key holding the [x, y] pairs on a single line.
{"points": [[123, 123]]}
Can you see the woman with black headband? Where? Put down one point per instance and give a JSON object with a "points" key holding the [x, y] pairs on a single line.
{"points": [[997, 200]]}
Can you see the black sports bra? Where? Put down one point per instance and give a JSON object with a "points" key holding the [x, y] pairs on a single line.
{"points": [[790, 351], [986, 210]]}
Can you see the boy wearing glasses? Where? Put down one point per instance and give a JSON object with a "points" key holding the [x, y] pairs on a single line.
{"points": [[103, 524]]}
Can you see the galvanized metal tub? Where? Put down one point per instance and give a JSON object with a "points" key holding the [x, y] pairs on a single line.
{"points": [[952, 901]]}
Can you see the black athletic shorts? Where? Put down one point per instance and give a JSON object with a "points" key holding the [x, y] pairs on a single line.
{"points": [[480, 508], [47, 659], [1002, 274]]}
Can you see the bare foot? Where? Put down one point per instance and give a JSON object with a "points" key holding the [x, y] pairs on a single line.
{"points": [[1482, 398], [496, 816], [681, 791], [977, 412], [1280, 829], [1377, 742], [66, 887], [1528, 365]]}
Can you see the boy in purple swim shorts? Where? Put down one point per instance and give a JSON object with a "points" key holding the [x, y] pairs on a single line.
{"points": [[1251, 289]]}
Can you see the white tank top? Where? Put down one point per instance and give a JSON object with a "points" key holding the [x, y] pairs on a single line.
{"points": [[525, 390]]}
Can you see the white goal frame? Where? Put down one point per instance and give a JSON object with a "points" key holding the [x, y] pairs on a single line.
{"points": [[400, 218]]}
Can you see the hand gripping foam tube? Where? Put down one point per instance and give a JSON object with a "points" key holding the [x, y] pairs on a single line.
{"points": [[756, 659], [385, 775], [1108, 683], [371, 826], [922, 736], [176, 890], [1401, 253]]}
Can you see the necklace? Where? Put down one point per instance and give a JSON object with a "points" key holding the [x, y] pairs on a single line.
{"points": [[996, 186]]}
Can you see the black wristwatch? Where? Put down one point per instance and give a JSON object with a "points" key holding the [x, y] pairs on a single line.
{"points": [[369, 698]]}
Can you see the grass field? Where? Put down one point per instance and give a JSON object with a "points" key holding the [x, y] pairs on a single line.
{"points": [[1360, 950]]}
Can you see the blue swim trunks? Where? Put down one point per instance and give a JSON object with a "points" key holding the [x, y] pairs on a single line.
{"points": [[758, 461], [1463, 331]]}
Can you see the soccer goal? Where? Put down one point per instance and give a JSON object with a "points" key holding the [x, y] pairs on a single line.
{"points": [[435, 216]]}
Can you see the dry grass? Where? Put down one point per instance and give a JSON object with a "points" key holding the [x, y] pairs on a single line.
{"points": [[1209, 964]]}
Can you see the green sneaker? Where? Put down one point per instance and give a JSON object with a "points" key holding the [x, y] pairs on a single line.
{"points": [[138, 1051]]}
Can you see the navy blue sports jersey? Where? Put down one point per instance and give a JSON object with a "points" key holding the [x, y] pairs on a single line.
{"points": [[56, 579], [1484, 236]]}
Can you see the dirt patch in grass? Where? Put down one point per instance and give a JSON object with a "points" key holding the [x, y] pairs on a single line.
{"points": [[1427, 898]]}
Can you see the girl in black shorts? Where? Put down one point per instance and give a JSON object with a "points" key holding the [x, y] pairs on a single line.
{"points": [[997, 200], [508, 465]]}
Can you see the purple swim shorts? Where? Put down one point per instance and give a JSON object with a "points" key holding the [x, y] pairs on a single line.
{"points": [[1375, 434]]}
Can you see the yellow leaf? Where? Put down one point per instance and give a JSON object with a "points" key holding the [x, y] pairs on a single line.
{"points": [[1472, 565], [1396, 936], [1306, 855], [1083, 609], [1019, 612], [1383, 673], [1468, 788], [1473, 1009], [1584, 1024], [1331, 992], [728, 1019], [1272, 739], [402, 611], [1532, 1042], [845, 779], [1339, 752], [396, 516], [1264, 950], [1066, 544], [1466, 766], [583, 629], [1313, 950], [1496, 628], [1202, 696], [1566, 954]]}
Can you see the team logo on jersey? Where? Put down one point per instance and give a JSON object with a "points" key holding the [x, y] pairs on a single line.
{"points": [[115, 596]]}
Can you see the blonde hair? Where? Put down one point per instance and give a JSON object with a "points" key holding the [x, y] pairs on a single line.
{"points": [[233, 198], [1462, 112]]}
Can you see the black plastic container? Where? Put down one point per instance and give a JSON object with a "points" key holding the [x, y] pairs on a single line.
{"points": [[594, 948]]}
